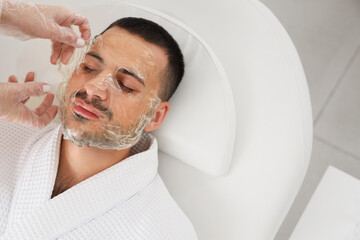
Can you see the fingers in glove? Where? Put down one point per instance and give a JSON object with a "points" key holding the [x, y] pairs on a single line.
{"points": [[84, 26], [30, 76], [48, 116], [12, 79], [46, 103], [24, 90], [46, 112], [56, 52], [66, 54], [68, 36]]}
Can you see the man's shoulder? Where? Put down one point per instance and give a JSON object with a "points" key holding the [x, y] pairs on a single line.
{"points": [[173, 215], [20, 132], [161, 213], [8, 129], [14, 140]]}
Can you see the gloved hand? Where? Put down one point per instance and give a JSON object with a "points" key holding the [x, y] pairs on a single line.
{"points": [[13, 96], [28, 20]]}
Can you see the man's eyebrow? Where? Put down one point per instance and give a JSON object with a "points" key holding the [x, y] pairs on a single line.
{"points": [[127, 72], [95, 55]]}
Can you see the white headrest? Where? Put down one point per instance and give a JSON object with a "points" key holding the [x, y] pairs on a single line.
{"points": [[200, 127]]}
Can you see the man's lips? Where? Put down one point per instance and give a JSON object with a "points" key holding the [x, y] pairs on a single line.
{"points": [[86, 110]]}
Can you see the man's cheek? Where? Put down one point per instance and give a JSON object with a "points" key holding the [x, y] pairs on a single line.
{"points": [[127, 115], [74, 82]]}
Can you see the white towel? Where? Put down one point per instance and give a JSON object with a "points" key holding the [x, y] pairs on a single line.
{"points": [[126, 201]]}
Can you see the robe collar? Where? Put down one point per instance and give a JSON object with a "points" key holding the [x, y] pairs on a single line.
{"points": [[34, 211]]}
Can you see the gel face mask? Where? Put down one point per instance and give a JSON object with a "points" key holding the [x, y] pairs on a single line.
{"points": [[109, 92]]}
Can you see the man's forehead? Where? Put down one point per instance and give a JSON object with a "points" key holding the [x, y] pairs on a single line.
{"points": [[122, 43]]}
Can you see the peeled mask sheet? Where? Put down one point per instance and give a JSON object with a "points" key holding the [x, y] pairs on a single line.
{"points": [[109, 92]]}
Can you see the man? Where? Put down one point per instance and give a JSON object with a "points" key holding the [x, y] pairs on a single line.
{"points": [[95, 175]]}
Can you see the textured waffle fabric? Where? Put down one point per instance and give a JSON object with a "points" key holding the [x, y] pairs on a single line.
{"points": [[125, 201]]}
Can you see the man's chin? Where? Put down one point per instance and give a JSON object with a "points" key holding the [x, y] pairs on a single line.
{"points": [[93, 134], [80, 118], [81, 134], [79, 123]]}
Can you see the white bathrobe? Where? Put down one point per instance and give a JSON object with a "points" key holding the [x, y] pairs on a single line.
{"points": [[126, 201]]}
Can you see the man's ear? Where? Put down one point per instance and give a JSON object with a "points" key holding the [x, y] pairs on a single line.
{"points": [[160, 114]]}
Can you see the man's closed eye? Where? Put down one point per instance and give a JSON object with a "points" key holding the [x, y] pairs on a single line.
{"points": [[125, 88]]}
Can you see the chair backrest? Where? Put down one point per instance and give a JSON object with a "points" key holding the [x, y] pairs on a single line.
{"points": [[273, 135]]}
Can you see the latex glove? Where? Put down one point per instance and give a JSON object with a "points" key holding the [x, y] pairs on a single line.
{"points": [[13, 96], [28, 20]]}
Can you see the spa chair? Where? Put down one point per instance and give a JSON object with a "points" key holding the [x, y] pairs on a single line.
{"points": [[236, 144]]}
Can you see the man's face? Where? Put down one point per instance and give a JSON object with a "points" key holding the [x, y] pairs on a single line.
{"points": [[112, 95]]}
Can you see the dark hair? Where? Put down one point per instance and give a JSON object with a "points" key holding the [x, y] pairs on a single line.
{"points": [[154, 33]]}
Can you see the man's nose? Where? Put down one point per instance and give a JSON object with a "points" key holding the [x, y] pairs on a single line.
{"points": [[97, 88]]}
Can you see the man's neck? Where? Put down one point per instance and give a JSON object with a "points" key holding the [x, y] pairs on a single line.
{"points": [[79, 163]]}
